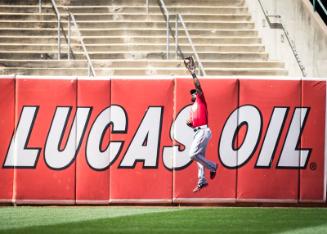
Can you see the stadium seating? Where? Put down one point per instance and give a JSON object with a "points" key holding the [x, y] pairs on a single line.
{"points": [[122, 39]]}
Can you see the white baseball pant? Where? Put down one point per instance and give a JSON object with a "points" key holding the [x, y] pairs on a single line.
{"points": [[197, 152]]}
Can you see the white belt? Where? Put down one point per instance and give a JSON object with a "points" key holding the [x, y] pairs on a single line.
{"points": [[200, 127]]}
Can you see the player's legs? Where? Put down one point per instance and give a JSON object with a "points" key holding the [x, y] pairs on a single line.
{"points": [[198, 148], [205, 162], [197, 153], [201, 177]]}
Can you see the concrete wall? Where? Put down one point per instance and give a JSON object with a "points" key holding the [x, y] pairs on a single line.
{"points": [[307, 31]]}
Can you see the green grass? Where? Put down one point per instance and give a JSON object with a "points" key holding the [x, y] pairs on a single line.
{"points": [[161, 220]]}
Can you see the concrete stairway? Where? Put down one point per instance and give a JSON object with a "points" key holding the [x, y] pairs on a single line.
{"points": [[123, 40]]}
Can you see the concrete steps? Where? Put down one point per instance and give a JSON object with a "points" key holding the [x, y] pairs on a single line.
{"points": [[111, 48], [191, 25], [126, 39], [128, 32], [127, 9], [138, 63], [152, 2], [32, 55], [123, 40], [124, 2], [143, 71], [139, 67], [81, 17]]}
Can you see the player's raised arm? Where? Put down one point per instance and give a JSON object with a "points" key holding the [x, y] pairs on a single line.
{"points": [[190, 65]]}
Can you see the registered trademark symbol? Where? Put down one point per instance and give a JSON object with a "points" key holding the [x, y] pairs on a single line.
{"points": [[313, 166]]}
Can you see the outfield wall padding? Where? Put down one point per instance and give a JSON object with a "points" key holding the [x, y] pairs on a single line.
{"points": [[100, 141], [92, 181], [7, 125]]}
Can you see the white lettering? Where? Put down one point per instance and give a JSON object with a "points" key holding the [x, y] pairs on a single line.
{"points": [[18, 154], [290, 156], [96, 158], [54, 157], [145, 144], [250, 116], [174, 157], [272, 136]]}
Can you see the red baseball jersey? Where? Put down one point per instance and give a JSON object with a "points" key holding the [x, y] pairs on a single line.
{"points": [[199, 112]]}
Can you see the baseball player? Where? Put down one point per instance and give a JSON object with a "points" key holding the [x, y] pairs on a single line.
{"points": [[198, 120]]}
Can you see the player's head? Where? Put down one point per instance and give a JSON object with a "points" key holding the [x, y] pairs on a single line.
{"points": [[193, 93]]}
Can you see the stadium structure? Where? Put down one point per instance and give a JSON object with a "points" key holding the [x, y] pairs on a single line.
{"points": [[95, 101], [149, 37]]}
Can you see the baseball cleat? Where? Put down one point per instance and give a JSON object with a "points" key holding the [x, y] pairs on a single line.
{"points": [[213, 173], [199, 187]]}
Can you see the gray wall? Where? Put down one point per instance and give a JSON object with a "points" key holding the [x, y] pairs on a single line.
{"points": [[306, 30]]}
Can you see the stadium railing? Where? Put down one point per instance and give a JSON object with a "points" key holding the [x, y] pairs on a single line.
{"points": [[54, 5], [179, 19], [167, 17], [91, 71], [314, 3], [320, 7], [279, 25], [71, 19]]}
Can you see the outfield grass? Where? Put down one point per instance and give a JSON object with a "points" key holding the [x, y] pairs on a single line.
{"points": [[161, 220]]}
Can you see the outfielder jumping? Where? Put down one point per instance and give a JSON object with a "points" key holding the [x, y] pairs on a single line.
{"points": [[198, 120]]}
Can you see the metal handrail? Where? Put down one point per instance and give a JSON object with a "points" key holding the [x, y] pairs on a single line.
{"points": [[292, 45], [321, 5], [54, 5], [89, 62], [58, 25], [147, 6], [166, 14], [179, 18], [40, 6]]}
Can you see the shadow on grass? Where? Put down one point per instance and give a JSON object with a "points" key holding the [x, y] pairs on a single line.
{"points": [[200, 220]]}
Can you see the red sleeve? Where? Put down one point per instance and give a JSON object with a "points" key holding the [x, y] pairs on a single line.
{"points": [[201, 97]]}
